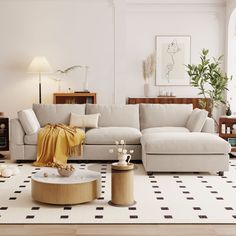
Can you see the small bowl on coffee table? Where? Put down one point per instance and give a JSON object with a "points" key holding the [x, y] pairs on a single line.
{"points": [[66, 171]]}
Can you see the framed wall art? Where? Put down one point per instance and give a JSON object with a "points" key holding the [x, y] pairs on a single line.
{"points": [[172, 54]]}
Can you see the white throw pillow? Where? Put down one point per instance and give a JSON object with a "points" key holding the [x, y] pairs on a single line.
{"points": [[84, 121], [197, 120], [29, 121]]}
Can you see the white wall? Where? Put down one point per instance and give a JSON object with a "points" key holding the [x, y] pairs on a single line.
{"points": [[231, 43], [72, 32], [67, 32], [205, 23]]}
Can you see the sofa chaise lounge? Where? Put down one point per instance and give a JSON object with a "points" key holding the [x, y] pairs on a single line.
{"points": [[156, 132]]}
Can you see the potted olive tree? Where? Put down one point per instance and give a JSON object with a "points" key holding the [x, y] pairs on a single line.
{"points": [[209, 78]]}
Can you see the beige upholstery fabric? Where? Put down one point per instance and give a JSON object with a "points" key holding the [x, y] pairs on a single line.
{"points": [[162, 115], [209, 126], [196, 120], [184, 143], [165, 130], [17, 132], [101, 152], [84, 121], [115, 115], [57, 113], [17, 152], [30, 152], [186, 163], [108, 135], [31, 139], [29, 121]]}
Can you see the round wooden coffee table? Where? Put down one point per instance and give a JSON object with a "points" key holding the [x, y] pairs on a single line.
{"points": [[82, 186]]}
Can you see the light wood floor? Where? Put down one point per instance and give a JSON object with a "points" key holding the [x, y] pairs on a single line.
{"points": [[123, 230]]}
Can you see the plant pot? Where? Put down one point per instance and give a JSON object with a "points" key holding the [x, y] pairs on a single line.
{"points": [[228, 112]]}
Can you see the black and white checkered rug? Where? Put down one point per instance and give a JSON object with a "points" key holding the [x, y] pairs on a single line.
{"points": [[161, 198]]}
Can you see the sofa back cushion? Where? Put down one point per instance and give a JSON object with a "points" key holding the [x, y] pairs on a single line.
{"points": [[57, 113], [29, 121], [115, 115], [161, 115], [84, 121], [196, 120]]}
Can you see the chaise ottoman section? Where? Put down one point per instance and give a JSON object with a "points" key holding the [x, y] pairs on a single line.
{"points": [[185, 152]]}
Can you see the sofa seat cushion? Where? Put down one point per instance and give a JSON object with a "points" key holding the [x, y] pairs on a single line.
{"points": [[108, 135], [165, 130], [184, 143]]}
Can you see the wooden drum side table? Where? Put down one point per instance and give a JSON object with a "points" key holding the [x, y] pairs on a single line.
{"points": [[122, 187]]}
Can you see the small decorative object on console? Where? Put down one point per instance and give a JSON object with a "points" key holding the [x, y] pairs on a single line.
{"points": [[122, 152], [228, 109], [148, 71], [65, 171], [71, 68]]}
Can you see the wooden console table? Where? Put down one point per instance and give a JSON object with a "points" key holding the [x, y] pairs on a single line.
{"points": [[170, 100], [74, 98], [227, 132]]}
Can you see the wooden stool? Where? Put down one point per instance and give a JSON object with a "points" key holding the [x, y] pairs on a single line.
{"points": [[122, 193]]}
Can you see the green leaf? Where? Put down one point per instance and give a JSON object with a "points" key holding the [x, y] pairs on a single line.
{"points": [[209, 78]]}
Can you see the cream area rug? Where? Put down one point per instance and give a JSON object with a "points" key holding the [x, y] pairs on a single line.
{"points": [[163, 198]]}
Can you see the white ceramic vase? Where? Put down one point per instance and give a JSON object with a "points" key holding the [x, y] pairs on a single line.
{"points": [[124, 159], [150, 90], [85, 86]]}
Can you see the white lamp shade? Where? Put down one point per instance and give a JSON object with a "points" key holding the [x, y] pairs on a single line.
{"points": [[39, 65]]}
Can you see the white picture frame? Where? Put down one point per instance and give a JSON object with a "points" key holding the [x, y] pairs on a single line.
{"points": [[172, 54]]}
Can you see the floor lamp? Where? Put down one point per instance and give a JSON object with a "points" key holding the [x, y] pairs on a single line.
{"points": [[40, 66]]}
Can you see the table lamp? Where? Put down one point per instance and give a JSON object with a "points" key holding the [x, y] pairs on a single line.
{"points": [[40, 66]]}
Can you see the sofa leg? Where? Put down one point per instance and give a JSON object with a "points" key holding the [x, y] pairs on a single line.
{"points": [[221, 173], [150, 173]]}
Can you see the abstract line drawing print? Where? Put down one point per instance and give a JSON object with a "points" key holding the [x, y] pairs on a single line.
{"points": [[172, 50], [172, 54]]}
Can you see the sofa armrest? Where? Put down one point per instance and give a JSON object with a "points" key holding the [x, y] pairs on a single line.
{"points": [[209, 126], [17, 132]]}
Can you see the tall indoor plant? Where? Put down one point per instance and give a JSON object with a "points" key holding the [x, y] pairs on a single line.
{"points": [[209, 78]]}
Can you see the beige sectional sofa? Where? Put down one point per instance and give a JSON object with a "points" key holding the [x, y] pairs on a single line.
{"points": [[167, 145], [156, 132]]}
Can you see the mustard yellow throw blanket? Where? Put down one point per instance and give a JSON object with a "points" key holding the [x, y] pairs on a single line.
{"points": [[56, 143]]}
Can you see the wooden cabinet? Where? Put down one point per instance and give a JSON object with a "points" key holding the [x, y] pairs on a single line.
{"points": [[226, 130], [74, 98], [170, 100]]}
